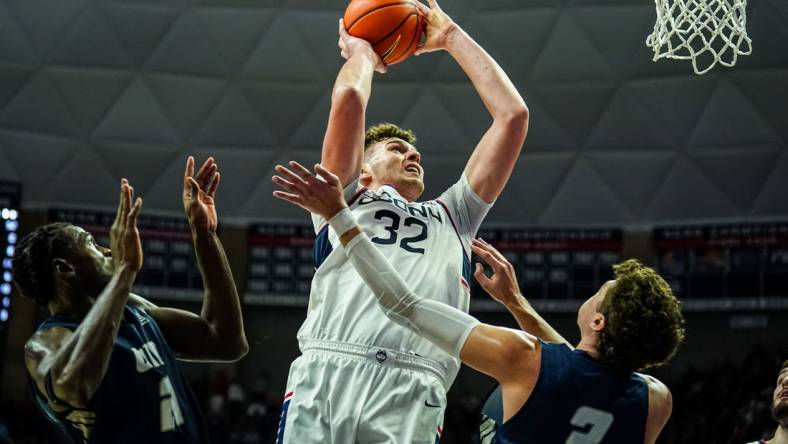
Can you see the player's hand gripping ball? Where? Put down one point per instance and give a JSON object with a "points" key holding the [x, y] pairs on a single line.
{"points": [[392, 27]]}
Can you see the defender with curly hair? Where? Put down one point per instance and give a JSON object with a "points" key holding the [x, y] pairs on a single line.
{"points": [[643, 322]]}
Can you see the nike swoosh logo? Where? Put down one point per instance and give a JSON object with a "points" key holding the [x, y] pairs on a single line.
{"points": [[427, 403]]}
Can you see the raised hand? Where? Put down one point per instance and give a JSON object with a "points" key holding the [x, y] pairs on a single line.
{"points": [[199, 194], [439, 27], [502, 285], [349, 46], [319, 193], [125, 241]]}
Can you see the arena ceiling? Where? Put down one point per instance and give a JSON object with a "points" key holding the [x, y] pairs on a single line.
{"points": [[94, 90]]}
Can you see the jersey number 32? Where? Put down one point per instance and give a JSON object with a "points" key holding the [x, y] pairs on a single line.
{"points": [[393, 234]]}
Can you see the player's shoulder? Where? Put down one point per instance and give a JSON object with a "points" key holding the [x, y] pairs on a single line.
{"points": [[141, 303], [660, 406], [43, 343], [521, 345], [656, 388], [46, 339]]}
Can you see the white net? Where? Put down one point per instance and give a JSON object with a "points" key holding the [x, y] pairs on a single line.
{"points": [[704, 31]]}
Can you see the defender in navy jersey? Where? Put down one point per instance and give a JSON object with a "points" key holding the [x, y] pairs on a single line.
{"points": [[550, 392], [103, 366]]}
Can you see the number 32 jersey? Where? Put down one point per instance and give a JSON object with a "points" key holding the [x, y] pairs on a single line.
{"points": [[429, 245]]}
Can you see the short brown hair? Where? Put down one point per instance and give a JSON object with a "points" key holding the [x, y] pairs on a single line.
{"points": [[785, 365], [643, 322], [386, 130]]}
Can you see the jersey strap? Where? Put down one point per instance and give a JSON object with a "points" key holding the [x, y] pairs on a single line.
{"points": [[322, 248], [466, 262]]}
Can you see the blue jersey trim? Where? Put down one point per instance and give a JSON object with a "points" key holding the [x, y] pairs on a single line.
{"points": [[280, 434], [466, 269], [322, 248], [466, 261]]}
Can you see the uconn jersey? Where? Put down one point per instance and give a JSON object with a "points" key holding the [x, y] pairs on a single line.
{"points": [[362, 377], [143, 397], [428, 243], [576, 400]]}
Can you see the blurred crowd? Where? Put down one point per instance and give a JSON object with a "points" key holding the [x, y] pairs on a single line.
{"points": [[727, 404]]}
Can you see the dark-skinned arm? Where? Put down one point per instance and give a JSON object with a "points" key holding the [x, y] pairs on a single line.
{"points": [[77, 361], [217, 334]]}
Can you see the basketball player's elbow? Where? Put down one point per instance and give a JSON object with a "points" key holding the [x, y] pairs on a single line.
{"points": [[514, 118], [230, 348], [348, 99], [240, 349]]}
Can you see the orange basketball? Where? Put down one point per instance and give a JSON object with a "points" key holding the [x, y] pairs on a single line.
{"points": [[392, 27]]}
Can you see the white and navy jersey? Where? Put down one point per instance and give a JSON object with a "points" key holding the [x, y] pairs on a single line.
{"points": [[428, 243], [576, 399]]}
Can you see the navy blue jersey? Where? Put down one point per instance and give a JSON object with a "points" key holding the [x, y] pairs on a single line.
{"points": [[577, 400], [143, 398]]}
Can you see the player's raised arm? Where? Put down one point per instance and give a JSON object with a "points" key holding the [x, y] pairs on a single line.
{"points": [[491, 163], [499, 352], [69, 367], [503, 287], [343, 144], [217, 334]]}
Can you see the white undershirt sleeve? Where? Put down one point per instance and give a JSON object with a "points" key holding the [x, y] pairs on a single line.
{"points": [[445, 326]]}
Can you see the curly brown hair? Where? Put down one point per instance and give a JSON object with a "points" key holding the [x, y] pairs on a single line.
{"points": [[386, 130], [643, 322]]}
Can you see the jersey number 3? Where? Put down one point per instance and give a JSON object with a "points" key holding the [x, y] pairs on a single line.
{"points": [[405, 243], [595, 422]]}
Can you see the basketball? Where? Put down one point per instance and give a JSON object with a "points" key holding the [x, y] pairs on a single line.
{"points": [[392, 27]]}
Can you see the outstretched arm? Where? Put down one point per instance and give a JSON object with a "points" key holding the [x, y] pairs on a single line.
{"points": [[499, 352], [503, 287], [491, 163], [217, 334], [75, 362], [343, 144]]}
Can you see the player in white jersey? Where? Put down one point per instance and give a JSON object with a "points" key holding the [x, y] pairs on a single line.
{"points": [[363, 378]]}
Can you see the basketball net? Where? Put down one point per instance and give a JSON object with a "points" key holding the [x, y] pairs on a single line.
{"points": [[704, 31]]}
